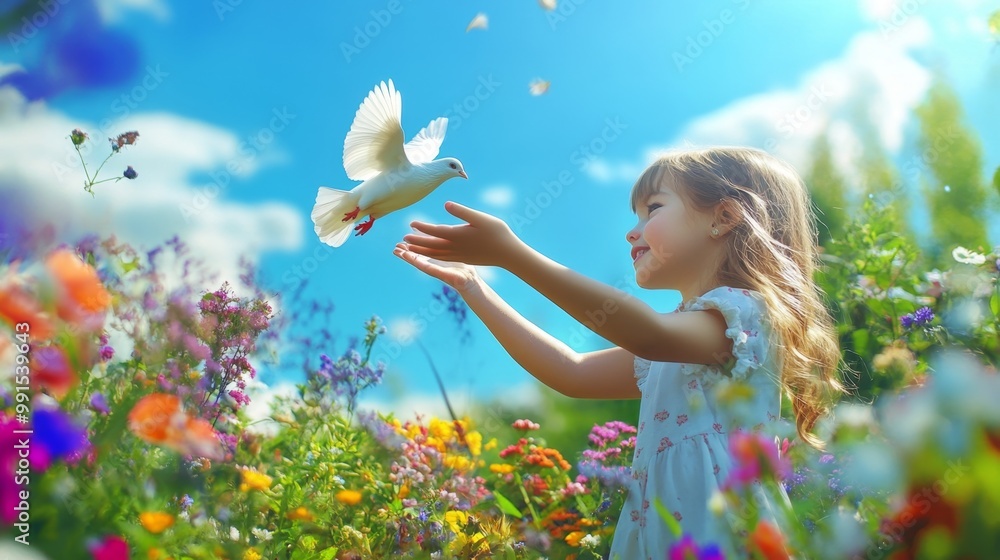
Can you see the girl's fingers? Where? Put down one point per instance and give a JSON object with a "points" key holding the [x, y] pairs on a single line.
{"points": [[437, 230], [426, 241], [463, 212], [427, 251]]}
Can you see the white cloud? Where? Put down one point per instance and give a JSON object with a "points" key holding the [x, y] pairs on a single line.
{"points": [[876, 70], [114, 10], [500, 196], [262, 400], [402, 329], [41, 174]]}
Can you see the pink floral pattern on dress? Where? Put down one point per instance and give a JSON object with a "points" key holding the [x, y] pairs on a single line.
{"points": [[680, 406]]}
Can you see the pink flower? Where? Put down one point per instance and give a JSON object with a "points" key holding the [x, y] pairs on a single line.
{"points": [[754, 456], [111, 548], [525, 424]]}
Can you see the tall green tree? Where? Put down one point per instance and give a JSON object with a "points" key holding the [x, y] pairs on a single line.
{"points": [[826, 187], [951, 171], [879, 178]]}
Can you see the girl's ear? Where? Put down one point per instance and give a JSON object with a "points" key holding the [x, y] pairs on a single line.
{"points": [[727, 215]]}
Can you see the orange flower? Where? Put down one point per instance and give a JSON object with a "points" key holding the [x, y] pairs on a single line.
{"points": [[158, 418], [17, 307], [767, 540], [301, 514], [349, 497], [573, 539], [82, 297], [156, 521]]}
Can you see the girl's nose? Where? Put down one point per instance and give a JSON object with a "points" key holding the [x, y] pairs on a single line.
{"points": [[632, 235]]}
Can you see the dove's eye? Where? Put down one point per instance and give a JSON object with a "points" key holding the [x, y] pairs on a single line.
{"points": [[453, 166]]}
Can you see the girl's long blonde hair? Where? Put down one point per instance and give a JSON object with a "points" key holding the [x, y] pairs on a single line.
{"points": [[772, 250]]}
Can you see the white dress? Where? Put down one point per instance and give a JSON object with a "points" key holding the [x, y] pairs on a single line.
{"points": [[682, 447]]}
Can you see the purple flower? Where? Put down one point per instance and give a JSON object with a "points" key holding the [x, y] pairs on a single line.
{"points": [[687, 549], [99, 403], [107, 353], [130, 173], [56, 436], [922, 316], [612, 477]]}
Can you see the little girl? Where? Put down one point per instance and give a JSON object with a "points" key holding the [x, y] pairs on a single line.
{"points": [[732, 230]]}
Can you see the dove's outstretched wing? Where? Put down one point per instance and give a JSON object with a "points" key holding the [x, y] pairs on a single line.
{"points": [[375, 141], [424, 147]]}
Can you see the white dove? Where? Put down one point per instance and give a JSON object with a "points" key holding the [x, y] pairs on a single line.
{"points": [[395, 175]]}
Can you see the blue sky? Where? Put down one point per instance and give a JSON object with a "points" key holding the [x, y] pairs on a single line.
{"points": [[257, 99]]}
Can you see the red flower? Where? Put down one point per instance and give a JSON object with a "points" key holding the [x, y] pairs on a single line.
{"points": [[50, 368], [767, 541], [924, 508]]}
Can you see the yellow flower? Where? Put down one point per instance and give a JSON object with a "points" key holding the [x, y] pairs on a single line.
{"points": [[156, 522], [501, 468], [441, 429], [300, 513], [733, 392], [412, 431], [349, 497], [251, 554], [456, 519], [457, 462], [573, 539], [404, 490], [476, 544], [254, 480], [490, 444], [475, 442], [435, 443]]}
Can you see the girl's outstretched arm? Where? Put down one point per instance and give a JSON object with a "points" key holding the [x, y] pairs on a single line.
{"points": [[696, 337], [604, 374]]}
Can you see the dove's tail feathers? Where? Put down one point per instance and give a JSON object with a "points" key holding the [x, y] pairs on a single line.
{"points": [[328, 215]]}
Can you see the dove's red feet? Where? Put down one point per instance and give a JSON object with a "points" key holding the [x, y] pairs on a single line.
{"points": [[363, 227], [352, 214]]}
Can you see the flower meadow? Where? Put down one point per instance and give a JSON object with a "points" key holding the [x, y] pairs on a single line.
{"points": [[124, 431]]}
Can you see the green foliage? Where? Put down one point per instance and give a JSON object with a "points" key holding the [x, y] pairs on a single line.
{"points": [[955, 192], [826, 188]]}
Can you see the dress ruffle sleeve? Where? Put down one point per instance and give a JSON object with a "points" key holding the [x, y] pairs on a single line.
{"points": [[742, 311]]}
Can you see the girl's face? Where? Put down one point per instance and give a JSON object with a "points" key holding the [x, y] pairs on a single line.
{"points": [[670, 244]]}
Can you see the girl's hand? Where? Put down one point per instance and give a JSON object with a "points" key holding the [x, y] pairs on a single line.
{"points": [[461, 277], [485, 240]]}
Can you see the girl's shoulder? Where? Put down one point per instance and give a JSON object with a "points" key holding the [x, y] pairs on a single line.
{"points": [[728, 297]]}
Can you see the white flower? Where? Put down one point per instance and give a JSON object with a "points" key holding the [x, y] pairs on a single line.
{"points": [[590, 541], [963, 255], [261, 534], [234, 533]]}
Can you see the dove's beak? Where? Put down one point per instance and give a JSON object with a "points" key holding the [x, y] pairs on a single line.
{"points": [[463, 174]]}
